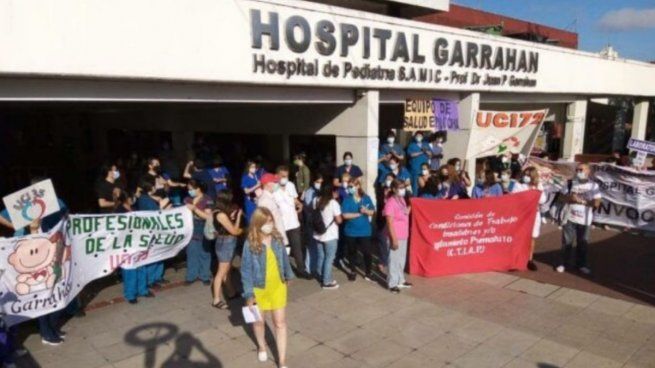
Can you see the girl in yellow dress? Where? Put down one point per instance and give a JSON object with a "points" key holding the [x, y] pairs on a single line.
{"points": [[265, 271]]}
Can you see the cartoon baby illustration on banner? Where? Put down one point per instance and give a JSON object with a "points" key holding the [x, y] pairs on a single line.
{"points": [[38, 263]]}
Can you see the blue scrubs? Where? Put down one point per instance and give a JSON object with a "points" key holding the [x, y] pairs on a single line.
{"points": [[355, 172], [416, 162], [479, 191], [217, 174], [435, 160], [402, 175], [360, 226], [384, 150], [247, 182], [154, 272]]}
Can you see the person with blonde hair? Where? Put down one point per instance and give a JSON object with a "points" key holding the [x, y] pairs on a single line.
{"points": [[265, 272]]}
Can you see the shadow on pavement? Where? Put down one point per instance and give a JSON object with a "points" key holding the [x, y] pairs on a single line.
{"points": [[621, 262], [153, 335]]}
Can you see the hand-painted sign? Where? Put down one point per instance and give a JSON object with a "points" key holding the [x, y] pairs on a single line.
{"points": [[32, 203]]}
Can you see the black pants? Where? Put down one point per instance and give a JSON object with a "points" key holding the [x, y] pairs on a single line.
{"points": [[364, 245], [295, 242]]}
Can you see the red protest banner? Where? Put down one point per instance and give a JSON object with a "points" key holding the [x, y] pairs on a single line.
{"points": [[473, 235]]}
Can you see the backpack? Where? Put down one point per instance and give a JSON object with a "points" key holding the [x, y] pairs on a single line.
{"points": [[317, 221]]}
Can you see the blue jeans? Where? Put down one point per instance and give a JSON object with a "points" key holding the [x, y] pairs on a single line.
{"points": [[311, 258], [154, 272], [48, 326], [198, 260], [326, 253], [134, 282]]}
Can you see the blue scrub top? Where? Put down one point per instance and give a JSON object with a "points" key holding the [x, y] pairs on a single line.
{"points": [[219, 173], [416, 162], [361, 226], [403, 175], [249, 205], [435, 162], [480, 191], [146, 203], [355, 171]]}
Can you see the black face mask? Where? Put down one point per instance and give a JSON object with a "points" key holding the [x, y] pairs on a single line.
{"points": [[157, 169]]}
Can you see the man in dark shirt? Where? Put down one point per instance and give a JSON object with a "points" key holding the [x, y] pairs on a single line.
{"points": [[106, 189]]}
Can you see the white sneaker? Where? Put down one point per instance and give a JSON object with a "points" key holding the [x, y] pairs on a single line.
{"points": [[560, 269], [405, 285], [585, 270], [262, 356], [331, 286]]}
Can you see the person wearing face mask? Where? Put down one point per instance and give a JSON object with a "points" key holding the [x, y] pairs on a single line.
{"points": [[530, 181], [436, 147], [357, 210], [161, 180], [419, 153], [398, 172], [328, 212], [348, 167], [270, 185], [433, 189], [153, 273], [107, 191], [460, 173], [251, 185], [396, 212], [199, 171], [489, 188], [582, 196], [382, 235], [302, 174], [290, 207], [506, 182], [451, 186], [265, 276], [198, 252], [342, 187], [308, 197], [389, 148], [423, 178]]}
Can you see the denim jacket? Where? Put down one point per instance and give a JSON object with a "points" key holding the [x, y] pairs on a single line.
{"points": [[253, 267]]}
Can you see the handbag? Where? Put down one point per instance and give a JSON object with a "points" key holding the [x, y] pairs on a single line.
{"points": [[209, 230]]}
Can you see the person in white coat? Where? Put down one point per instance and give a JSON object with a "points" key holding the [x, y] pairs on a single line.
{"points": [[530, 181]]}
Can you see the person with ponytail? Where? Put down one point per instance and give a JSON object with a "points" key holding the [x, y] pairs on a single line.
{"points": [[265, 272]]}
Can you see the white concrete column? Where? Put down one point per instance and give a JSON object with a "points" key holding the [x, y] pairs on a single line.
{"points": [[457, 145], [574, 130], [356, 130], [640, 120]]}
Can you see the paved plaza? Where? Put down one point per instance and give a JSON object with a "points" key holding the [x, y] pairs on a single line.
{"points": [[481, 320]]}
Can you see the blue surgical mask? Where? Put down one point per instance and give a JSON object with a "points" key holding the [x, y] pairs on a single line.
{"points": [[351, 190], [192, 192], [116, 174]]}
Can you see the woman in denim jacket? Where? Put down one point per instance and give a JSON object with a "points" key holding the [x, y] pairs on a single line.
{"points": [[265, 271]]}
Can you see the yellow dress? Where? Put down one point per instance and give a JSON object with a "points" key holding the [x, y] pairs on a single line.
{"points": [[274, 294]]}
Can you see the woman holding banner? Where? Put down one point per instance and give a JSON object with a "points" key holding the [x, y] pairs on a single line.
{"points": [[396, 212], [530, 181], [451, 185], [265, 272]]}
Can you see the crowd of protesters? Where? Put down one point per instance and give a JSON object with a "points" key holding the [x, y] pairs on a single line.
{"points": [[304, 221]]}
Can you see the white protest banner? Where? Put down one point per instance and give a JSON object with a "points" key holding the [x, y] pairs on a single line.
{"points": [[43, 273], [628, 196], [34, 202], [553, 175], [497, 132]]}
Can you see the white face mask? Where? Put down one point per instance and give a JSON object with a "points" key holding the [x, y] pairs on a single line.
{"points": [[425, 172], [284, 181], [116, 174], [458, 167], [266, 229], [526, 179], [393, 166], [252, 170], [348, 161], [402, 192], [504, 159], [419, 138], [390, 140], [344, 185], [582, 175], [387, 183], [317, 186], [504, 177]]}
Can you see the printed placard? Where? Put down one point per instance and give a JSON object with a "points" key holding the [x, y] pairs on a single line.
{"points": [[32, 203]]}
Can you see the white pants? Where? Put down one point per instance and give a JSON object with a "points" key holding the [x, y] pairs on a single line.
{"points": [[397, 259]]}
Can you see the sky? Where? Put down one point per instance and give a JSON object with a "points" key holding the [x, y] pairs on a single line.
{"points": [[628, 25]]}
